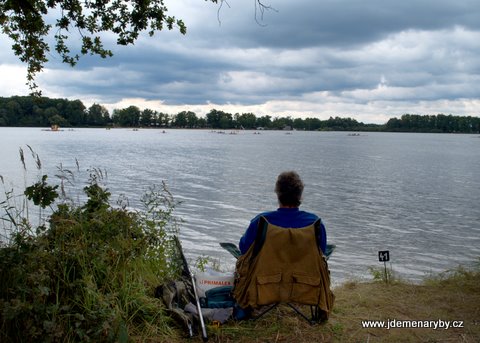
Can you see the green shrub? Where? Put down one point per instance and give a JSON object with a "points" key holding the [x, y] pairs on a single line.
{"points": [[88, 274]]}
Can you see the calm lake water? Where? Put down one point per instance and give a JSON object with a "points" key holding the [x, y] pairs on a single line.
{"points": [[416, 195]]}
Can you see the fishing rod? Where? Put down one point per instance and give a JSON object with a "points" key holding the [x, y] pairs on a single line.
{"points": [[199, 309], [186, 273]]}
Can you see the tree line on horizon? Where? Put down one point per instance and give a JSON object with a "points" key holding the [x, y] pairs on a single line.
{"points": [[29, 111]]}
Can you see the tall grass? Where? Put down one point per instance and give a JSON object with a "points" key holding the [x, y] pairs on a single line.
{"points": [[89, 272]]}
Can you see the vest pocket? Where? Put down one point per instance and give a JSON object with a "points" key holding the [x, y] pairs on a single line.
{"points": [[305, 289], [268, 288]]}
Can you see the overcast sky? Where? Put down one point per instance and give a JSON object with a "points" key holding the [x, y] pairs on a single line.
{"points": [[366, 59]]}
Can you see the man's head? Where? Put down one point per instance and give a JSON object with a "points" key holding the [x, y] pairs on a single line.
{"points": [[289, 189]]}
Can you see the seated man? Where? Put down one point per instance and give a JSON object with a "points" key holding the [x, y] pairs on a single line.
{"points": [[289, 189], [283, 256]]}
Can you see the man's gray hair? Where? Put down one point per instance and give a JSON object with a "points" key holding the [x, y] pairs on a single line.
{"points": [[289, 188]]}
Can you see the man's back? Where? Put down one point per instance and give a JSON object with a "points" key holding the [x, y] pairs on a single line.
{"points": [[286, 218]]}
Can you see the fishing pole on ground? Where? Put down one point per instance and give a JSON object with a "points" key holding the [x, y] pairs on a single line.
{"points": [[186, 273]]}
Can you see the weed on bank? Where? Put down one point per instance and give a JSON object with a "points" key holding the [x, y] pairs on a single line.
{"points": [[89, 272]]}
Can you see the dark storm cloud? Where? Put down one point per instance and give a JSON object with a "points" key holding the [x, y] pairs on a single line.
{"points": [[364, 56], [343, 23]]}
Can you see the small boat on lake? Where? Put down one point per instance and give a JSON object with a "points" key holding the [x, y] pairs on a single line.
{"points": [[53, 128]]}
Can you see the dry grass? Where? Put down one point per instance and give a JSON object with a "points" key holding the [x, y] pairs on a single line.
{"points": [[452, 297], [456, 298]]}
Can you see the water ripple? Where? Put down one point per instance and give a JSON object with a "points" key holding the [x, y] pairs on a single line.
{"points": [[416, 195]]}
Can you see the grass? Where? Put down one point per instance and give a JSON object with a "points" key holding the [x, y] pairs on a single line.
{"points": [[452, 296]]}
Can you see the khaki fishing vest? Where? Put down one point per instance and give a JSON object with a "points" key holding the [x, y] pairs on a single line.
{"points": [[288, 267]]}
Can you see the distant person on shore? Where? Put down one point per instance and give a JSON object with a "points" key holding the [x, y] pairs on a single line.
{"points": [[289, 190]]}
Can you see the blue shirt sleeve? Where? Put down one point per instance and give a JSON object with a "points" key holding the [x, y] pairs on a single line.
{"points": [[249, 236]]}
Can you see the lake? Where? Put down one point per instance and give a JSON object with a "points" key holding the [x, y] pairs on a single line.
{"points": [[416, 195]]}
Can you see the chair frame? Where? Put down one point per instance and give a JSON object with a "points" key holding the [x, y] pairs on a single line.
{"points": [[316, 316]]}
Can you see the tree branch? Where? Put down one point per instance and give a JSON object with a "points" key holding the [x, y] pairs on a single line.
{"points": [[260, 7]]}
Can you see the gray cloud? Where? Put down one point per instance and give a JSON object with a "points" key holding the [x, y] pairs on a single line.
{"points": [[316, 56], [344, 23]]}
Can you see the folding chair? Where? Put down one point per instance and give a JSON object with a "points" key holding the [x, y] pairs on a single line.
{"points": [[285, 265]]}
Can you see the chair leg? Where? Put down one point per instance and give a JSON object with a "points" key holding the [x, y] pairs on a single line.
{"points": [[310, 320], [316, 313], [315, 310], [264, 312]]}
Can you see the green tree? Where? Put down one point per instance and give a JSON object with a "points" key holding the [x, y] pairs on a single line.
{"points": [[31, 113], [343, 124], [185, 119], [13, 112], [280, 123], [313, 124], [154, 120], [299, 124], [264, 121], [97, 115], [213, 118], [202, 122], [219, 119], [58, 120], [129, 116], [180, 119], [50, 112], [75, 113], [438, 123], [148, 117], [163, 119], [393, 124], [191, 119], [247, 120], [225, 120]]}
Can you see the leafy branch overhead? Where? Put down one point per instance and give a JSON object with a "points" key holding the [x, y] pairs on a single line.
{"points": [[26, 22], [29, 22]]}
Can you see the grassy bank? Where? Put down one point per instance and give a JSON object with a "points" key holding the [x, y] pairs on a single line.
{"points": [[453, 296]]}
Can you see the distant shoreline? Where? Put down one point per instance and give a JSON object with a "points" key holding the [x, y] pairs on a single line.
{"points": [[28, 111], [227, 131]]}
